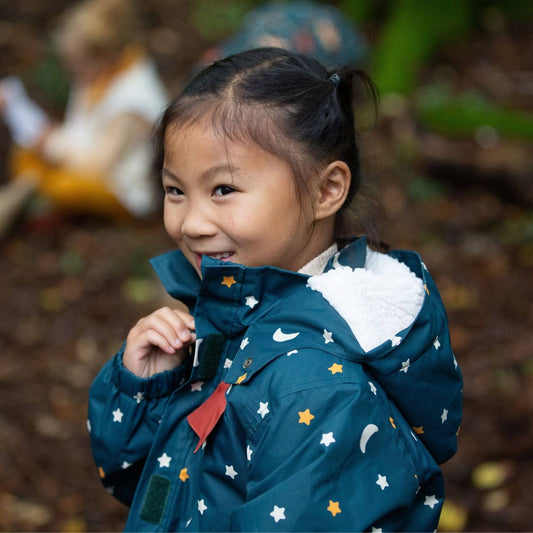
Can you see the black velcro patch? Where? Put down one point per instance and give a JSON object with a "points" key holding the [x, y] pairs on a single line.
{"points": [[212, 349], [155, 500]]}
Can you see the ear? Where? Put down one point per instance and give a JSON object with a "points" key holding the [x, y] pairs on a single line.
{"points": [[334, 184]]}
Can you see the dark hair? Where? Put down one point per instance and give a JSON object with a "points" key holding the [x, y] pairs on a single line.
{"points": [[286, 103]]}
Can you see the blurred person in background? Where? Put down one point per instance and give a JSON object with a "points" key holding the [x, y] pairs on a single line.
{"points": [[98, 161], [300, 26]]}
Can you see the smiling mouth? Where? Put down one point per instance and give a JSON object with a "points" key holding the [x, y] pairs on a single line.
{"points": [[222, 256]]}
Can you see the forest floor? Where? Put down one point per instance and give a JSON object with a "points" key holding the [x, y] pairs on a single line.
{"points": [[71, 289]]}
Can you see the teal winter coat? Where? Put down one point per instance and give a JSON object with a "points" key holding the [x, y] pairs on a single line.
{"points": [[320, 403]]}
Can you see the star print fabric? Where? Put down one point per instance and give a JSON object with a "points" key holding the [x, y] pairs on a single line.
{"points": [[308, 438], [293, 465]]}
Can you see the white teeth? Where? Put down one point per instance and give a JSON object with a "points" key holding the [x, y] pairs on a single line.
{"points": [[222, 255]]}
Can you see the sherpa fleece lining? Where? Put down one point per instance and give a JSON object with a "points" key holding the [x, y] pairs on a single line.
{"points": [[377, 301]]}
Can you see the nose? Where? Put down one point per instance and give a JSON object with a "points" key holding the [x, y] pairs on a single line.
{"points": [[198, 222]]}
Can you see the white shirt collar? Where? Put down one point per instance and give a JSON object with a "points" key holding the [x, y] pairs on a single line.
{"points": [[317, 265]]}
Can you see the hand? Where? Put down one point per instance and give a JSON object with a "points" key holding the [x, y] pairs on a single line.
{"points": [[159, 342]]}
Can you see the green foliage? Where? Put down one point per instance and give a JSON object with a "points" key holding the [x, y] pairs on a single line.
{"points": [[465, 114], [216, 19], [422, 189], [358, 10], [412, 32], [517, 10]]}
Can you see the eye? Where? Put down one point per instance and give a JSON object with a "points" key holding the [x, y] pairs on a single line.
{"points": [[223, 190], [173, 191]]}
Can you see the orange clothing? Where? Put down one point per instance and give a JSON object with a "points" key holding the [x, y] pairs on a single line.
{"points": [[70, 190]]}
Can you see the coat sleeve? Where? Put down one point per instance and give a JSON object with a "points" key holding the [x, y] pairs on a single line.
{"points": [[338, 459], [124, 414]]}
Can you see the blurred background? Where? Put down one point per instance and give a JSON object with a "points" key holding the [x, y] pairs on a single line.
{"points": [[450, 161]]}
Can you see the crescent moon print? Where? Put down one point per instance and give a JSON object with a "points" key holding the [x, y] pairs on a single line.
{"points": [[367, 433], [279, 336]]}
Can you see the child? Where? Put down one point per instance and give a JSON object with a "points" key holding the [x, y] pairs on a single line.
{"points": [[321, 392], [99, 159]]}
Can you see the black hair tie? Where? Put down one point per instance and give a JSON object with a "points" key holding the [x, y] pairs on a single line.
{"points": [[335, 78]]}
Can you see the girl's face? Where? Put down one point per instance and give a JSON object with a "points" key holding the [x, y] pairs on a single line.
{"points": [[235, 202]]}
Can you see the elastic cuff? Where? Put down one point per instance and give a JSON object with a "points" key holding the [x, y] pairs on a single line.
{"points": [[157, 386]]}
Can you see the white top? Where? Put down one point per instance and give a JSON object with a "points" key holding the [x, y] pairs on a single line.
{"points": [[317, 265]]}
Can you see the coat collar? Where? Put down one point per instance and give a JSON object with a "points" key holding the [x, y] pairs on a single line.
{"points": [[249, 287], [238, 301]]}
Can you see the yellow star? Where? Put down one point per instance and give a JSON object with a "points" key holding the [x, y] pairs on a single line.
{"points": [[334, 368], [305, 417], [101, 472], [241, 379], [183, 475], [426, 287], [228, 281], [418, 430], [334, 508], [391, 420]]}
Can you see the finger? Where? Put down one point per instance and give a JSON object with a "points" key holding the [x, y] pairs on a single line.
{"points": [[187, 318], [180, 321], [166, 324], [159, 324], [154, 338]]}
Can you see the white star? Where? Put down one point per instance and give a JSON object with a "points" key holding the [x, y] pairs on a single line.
{"points": [[244, 343], [228, 363], [89, 427], [164, 461], [202, 506], [197, 386], [188, 522], [431, 501], [251, 301], [436, 343], [376, 530], [249, 452], [263, 409], [372, 388], [382, 481], [125, 465], [327, 438], [328, 336], [444, 415], [230, 471], [117, 415], [139, 397], [278, 513], [455, 362], [396, 340], [292, 352], [405, 366]]}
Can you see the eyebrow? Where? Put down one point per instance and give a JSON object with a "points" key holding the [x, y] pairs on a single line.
{"points": [[208, 174]]}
